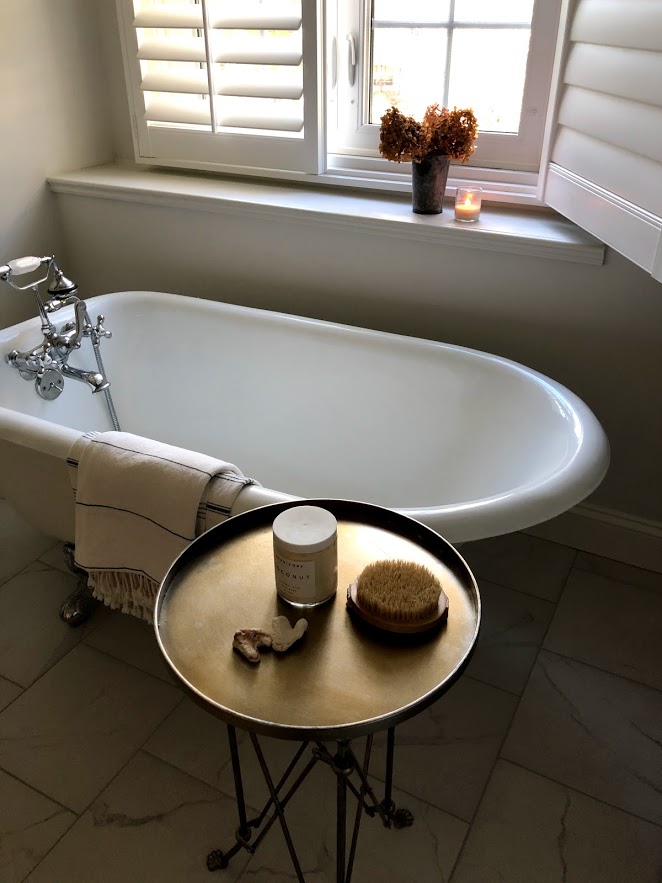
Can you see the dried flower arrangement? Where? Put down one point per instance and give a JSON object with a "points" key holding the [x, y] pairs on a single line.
{"points": [[443, 132]]}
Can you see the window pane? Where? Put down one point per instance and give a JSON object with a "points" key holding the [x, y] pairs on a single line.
{"points": [[495, 98], [488, 11], [412, 11], [408, 66]]}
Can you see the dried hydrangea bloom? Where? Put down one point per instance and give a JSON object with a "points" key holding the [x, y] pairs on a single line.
{"points": [[450, 132], [443, 132], [401, 138]]}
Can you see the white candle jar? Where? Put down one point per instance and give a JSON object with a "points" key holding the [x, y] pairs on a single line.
{"points": [[305, 555], [467, 203]]}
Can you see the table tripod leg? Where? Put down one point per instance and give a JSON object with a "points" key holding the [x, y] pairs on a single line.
{"points": [[401, 818], [244, 830], [217, 859], [359, 809], [278, 806], [343, 764], [387, 803]]}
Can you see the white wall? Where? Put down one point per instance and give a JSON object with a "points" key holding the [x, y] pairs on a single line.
{"points": [[53, 117]]}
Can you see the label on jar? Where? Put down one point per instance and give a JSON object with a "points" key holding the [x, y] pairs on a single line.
{"points": [[295, 580]]}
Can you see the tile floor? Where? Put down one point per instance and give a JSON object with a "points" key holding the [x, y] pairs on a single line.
{"points": [[543, 763]]}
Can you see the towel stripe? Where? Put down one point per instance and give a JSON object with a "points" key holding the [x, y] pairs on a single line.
{"points": [[137, 515], [97, 441], [113, 569]]}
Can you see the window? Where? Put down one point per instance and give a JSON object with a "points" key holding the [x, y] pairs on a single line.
{"points": [[296, 88], [496, 57], [217, 84], [222, 85]]}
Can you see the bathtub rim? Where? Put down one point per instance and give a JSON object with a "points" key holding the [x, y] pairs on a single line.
{"points": [[518, 508]]}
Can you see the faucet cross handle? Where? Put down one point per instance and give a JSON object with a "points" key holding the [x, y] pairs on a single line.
{"points": [[99, 330]]}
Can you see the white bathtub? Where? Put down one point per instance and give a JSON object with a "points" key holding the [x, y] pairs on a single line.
{"points": [[470, 444]]}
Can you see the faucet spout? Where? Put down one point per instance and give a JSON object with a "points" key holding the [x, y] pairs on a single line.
{"points": [[93, 378]]}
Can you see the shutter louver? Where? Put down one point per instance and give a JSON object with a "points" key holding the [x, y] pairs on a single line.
{"points": [[218, 84], [605, 169]]}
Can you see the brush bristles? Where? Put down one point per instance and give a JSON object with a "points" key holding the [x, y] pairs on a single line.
{"points": [[398, 591]]}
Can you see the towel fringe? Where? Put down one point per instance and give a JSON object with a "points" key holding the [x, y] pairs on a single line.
{"points": [[132, 593]]}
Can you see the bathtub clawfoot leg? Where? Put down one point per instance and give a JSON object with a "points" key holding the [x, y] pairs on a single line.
{"points": [[80, 604]]}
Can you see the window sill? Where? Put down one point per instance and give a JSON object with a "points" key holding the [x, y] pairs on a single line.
{"points": [[507, 230]]}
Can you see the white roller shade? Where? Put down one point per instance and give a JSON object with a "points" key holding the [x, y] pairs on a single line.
{"points": [[218, 84], [605, 170]]}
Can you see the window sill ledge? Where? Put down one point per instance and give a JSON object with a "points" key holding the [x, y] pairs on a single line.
{"points": [[507, 230]]}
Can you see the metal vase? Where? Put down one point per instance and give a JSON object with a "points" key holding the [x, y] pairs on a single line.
{"points": [[428, 180]]}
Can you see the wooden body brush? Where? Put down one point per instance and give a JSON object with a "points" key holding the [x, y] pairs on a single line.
{"points": [[398, 596]]}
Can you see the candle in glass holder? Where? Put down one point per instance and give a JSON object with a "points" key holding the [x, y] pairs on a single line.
{"points": [[467, 203]]}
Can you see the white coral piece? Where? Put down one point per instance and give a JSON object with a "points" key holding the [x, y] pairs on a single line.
{"points": [[283, 635], [247, 641]]}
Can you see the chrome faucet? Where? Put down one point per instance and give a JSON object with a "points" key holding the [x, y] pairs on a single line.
{"points": [[47, 363]]}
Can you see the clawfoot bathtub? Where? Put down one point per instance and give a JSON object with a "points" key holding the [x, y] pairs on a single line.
{"points": [[468, 443]]}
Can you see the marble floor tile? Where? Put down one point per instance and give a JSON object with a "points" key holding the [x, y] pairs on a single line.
{"points": [[196, 742], [132, 641], [445, 754], [30, 824], [152, 823], [592, 731], [522, 562], [29, 602], [71, 732], [423, 853], [8, 692], [612, 625], [512, 628], [20, 543], [530, 829], [625, 573]]}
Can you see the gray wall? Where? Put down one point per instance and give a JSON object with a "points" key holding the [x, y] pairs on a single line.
{"points": [[53, 112], [595, 329]]}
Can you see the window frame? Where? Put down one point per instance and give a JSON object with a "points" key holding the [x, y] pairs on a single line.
{"points": [[357, 138], [500, 182]]}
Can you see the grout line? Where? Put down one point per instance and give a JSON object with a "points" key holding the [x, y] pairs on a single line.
{"points": [[38, 790], [197, 778], [513, 589], [418, 799], [142, 671], [23, 570], [490, 684], [604, 671], [623, 564], [171, 681], [15, 683], [585, 794]]}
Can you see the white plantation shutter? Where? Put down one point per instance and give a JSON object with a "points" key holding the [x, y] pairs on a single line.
{"points": [[227, 85], [605, 170]]}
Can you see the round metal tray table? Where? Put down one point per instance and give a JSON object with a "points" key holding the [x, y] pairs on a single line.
{"points": [[342, 680]]}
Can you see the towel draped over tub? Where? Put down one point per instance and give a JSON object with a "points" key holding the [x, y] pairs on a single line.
{"points": [[139, 503]]}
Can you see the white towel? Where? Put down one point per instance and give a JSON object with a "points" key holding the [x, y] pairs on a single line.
{"points": [[139, 503]]}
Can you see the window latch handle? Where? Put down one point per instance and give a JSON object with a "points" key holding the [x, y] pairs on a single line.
{"points": [[351, 59]]}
